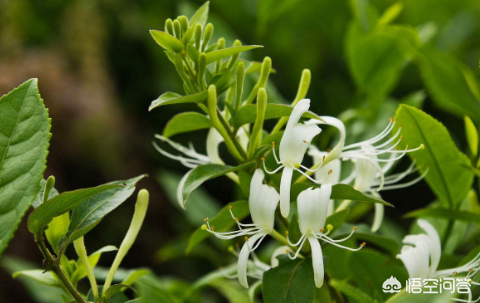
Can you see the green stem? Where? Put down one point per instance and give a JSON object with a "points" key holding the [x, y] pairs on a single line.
{"points": [[137, 221], [81, 250], [56, 269]]}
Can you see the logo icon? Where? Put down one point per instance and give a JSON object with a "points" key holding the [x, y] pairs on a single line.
{"points": [[391, 285]]}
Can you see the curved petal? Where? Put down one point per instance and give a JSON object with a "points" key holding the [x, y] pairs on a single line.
{"points": [[297, 136], [409, 259], [434, 244], [317, 261], [312, 206], [180, 186], [421, 252], [263, 201], [295, 142], [213, 141], [285, 184], [378, 218], [243, 259], [282, 250], [337, 150], [366, 170]]}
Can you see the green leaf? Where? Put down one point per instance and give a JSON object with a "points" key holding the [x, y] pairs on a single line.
{"points": [[134, 276], [447, 214], [448, 175], [206, 172], [352, 292], [61, 204], [117, 288], [290, 281], [222, 222], [347, 192], [200, 16], [375, 59], [472, 135], [167, 41], [231, 290], [173, 98], [115, 297], [186, 122], [447, 84], [229, 51], [37, 290], [39, 276], [24, 141], [90, 212], [404, 297], [248, 113], [57, 229]]}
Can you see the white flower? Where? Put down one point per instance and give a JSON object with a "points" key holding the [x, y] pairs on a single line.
{"points": [[370, 167], [312, 214], [263, 201], [295, 141], [192, 159], [421, 255]]}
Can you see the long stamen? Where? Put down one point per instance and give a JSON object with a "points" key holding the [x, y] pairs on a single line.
{"points": [[313, 180], [391, 139], [296, 244], [187, 151], [184, 161], [376, 138], [397, 186], [274, 153], [397, 177], [271, 172], [324, 236], [344, 247], [298, 250]]}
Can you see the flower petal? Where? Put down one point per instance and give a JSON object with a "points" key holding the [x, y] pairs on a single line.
{"points": [[243, 258], [312, 205], [317, 261], [263, 201], [213, 141], [378, 218], [295, 142], [434, 244], [285, 184], [180, 186], [282, 250], [297, 136]]}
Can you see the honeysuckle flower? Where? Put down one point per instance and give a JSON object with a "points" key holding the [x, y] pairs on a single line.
{"points": [[295, 141], [370, 165], [190, 158], [312, 207], [263, 201], [421, 255]]}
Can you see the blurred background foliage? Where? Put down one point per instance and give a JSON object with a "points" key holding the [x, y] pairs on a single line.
{"points": [[99, 70]]}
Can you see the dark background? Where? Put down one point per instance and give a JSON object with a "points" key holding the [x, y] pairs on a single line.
{"points": [[99, 69]]}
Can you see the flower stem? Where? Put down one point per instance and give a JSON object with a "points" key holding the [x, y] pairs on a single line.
{"points": [[138, 216], [55, 267], [81, 250]]}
